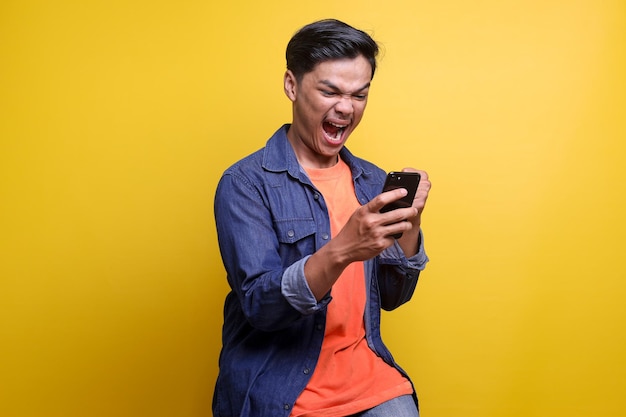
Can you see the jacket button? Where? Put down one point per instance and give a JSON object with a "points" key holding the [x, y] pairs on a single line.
{"points": [[306, 371], [286, 406], [325, 236], [291, 233], [316, 196]]}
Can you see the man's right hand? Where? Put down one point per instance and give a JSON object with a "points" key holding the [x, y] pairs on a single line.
{"points": [[366, 234]]}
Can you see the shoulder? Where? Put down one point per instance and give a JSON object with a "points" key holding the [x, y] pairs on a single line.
{"points": [[243, 176], [275, 157], [248, 164]]}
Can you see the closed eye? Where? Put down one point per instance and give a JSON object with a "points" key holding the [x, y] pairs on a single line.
{"points": [[329, 89], [328, 93]]}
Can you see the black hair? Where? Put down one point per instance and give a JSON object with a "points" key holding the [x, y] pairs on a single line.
{"points": [[326, 40]]}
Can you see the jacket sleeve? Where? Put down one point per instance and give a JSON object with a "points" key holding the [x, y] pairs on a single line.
{"points": [[250, 250], [398, 275]]}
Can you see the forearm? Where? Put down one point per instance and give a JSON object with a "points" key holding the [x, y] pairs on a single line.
{"points": [[410, 241], [323, 269]]}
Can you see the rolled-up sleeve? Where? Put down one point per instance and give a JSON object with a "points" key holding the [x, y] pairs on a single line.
{"points": [[394, 255], [296, 290]]}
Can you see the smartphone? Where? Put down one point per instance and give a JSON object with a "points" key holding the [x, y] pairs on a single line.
{"points": [[406, 180]]}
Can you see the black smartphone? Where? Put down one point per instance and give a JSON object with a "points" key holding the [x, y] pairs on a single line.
{"points": [[407, 180]]}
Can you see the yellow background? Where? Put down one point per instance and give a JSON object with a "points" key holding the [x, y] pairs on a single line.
{"points": [[117, 118]]}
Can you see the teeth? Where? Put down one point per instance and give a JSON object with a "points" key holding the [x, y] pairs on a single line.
{"points": [[339, 128]]}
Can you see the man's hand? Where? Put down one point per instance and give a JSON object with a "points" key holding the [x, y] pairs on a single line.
{"points": [[368, 231], [366, 234]]}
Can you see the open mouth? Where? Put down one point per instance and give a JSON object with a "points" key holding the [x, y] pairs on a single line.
{"points": [[333, 131]]}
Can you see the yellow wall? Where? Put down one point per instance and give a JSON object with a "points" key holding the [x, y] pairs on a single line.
{"points": [[117, 118]]}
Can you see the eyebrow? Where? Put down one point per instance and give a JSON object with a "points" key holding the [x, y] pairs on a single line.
{"points": [[334, 87]]}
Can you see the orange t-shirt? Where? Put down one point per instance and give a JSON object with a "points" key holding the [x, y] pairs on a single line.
{"points": [[349, 376]]}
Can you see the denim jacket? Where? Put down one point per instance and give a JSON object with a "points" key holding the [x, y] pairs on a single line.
{"points": [[270, 219]]}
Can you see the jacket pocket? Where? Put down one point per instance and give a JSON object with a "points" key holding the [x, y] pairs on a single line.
{"points": [[296, 239], [293, 230]]}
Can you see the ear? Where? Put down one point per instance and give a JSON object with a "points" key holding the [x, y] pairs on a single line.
{"points": [[291, 85]]}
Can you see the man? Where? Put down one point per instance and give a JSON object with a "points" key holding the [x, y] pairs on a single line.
{"points": [[309, 257]]}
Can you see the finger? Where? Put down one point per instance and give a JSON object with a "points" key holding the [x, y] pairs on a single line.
{"points": [[387, 197], [411, 169], [396, 230], [423, 187], [398, 215]]}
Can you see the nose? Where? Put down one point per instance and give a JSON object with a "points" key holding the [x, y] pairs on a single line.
{"points": [[345, 105]]}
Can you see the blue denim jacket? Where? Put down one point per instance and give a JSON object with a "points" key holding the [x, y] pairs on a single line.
{"points": [[270, 220]]}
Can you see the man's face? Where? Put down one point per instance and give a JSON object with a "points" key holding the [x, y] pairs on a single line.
{"points": [[328, 104]]}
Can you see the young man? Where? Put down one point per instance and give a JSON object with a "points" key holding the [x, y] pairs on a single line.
{"points": [[309, 257]]}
